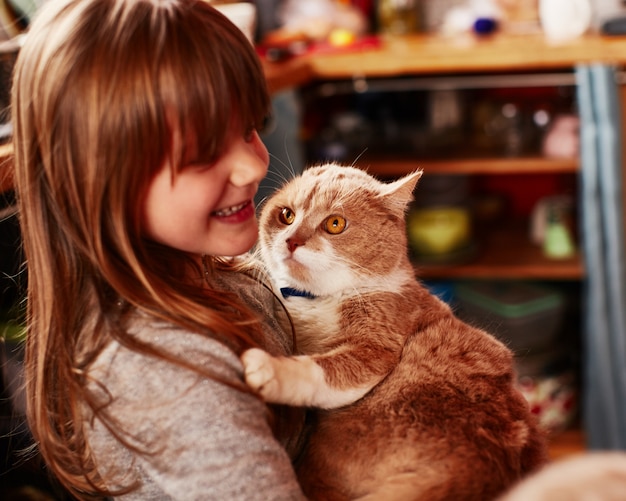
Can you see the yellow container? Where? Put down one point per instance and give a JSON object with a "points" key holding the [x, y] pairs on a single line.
{"points": [[439, 231]]}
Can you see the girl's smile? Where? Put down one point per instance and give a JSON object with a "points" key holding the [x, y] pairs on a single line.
{"points": [[236, 213]]}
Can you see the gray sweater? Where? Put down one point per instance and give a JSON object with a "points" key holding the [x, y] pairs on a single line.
{"points": [[206, 440]]}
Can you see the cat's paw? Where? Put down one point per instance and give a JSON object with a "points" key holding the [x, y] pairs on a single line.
{"points": [[260, 373]]}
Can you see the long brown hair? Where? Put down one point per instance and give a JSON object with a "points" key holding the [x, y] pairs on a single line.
{"points": [[102, 90]]}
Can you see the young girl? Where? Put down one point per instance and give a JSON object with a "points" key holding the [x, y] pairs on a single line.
{"points": [[136, 161]]}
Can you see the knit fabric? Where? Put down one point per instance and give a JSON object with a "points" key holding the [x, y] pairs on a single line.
{"points": [[200, 439]]}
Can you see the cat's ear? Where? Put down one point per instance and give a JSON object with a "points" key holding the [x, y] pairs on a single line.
{"points": [[400, 193]]}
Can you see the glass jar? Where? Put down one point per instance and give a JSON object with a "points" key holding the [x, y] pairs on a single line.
{"points": [[398, 17]]}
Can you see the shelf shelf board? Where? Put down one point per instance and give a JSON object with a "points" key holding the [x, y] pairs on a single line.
{"points": [[566, 443], [433, 54], [501, 166], [506, 252]]}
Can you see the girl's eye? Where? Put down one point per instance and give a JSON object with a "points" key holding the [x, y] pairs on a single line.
{"points": [[286, 215], [335, 225], [268, 123]]}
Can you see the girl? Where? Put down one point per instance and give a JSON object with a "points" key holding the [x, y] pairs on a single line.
{"points": [[137, 159]]}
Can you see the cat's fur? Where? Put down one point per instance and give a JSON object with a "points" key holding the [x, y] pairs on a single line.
{"points": [[416, 404]]}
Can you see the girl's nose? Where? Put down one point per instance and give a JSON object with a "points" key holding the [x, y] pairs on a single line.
{"points": [[250, 162]]}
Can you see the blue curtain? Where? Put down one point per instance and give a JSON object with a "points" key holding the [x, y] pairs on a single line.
{"points": [[604, 379]]}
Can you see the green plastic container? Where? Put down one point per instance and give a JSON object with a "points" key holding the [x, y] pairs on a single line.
{"points": [[526, 317]]}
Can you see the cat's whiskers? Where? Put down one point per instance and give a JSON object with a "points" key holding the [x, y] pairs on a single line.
{"points": [[275, 179], [353, 164], [288, 167], [358, 294], [262, 201]]}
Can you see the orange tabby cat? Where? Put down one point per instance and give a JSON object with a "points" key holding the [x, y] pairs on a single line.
{"points": [[415, 404]]}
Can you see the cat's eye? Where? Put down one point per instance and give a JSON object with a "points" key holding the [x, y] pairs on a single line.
{"points": [[335, 225], [286, 215]]}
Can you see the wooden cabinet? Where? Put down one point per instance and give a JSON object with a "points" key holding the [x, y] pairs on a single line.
{"points": [[423, 62], [505, 248], [341, 125]]}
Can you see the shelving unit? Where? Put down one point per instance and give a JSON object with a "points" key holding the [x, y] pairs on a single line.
{"points": [[504, 250]]}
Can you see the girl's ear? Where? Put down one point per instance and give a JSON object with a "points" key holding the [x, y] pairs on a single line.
{"points": [[399, 194]]}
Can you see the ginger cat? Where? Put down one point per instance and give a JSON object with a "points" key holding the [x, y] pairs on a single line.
{"points": [[413, 403]]}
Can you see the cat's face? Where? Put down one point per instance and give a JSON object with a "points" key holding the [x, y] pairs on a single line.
{"points": [[334, 228]]}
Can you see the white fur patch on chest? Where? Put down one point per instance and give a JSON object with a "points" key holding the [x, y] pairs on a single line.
{"points": [[317, 320]]}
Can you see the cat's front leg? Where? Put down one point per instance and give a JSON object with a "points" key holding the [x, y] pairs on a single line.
{"points": [[297, 380], [282, 380]]}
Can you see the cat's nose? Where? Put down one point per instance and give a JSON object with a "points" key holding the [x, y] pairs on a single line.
{"points": [[294, 243]]}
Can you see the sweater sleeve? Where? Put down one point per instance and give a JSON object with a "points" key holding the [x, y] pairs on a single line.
{"points": [[196, 438]]}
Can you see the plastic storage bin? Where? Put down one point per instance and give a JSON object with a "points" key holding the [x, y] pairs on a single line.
{"points": [[526, 317]]}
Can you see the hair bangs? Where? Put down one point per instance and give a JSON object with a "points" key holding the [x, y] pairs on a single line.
{"points": [[203, 103]]}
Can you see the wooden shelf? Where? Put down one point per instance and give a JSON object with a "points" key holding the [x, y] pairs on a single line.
{"points": [[566, 443], [424, 54], [428, 54], [506, 252], [287, 74], [503, 165]]}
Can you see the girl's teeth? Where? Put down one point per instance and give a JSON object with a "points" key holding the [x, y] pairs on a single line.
{"points": [[230, 210]]}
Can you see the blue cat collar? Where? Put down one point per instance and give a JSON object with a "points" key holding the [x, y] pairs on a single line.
{"points": [[291, 292]]}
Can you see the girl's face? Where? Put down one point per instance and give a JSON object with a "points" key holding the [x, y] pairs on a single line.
{"points": [[209, 208]]}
